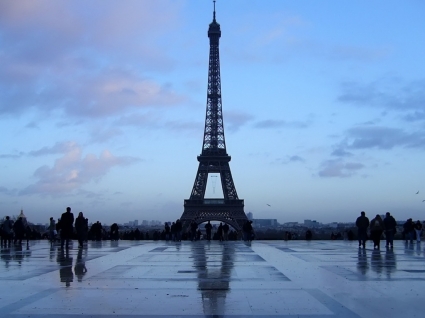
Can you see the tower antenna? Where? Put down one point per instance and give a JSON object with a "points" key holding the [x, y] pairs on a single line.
{"points": [[214, 11]]}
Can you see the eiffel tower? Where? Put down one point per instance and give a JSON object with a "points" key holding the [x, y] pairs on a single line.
{"points": [[214, 157]]}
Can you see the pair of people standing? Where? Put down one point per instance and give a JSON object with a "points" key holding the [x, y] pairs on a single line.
{"points": [[66, 226]]}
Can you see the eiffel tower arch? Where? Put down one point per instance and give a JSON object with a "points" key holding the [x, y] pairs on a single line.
{"points": [[214, 157]]}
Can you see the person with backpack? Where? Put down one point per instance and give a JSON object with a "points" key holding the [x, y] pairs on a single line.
{"points": [[390, 225], [376, 229]]}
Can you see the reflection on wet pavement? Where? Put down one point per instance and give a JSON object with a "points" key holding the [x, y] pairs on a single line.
{"points": [[212, 279]]}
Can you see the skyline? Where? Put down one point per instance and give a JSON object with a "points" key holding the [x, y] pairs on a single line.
{"points": [[103, 105]]}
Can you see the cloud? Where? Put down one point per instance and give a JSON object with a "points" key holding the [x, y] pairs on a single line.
{"points": [[346, 52], [296, 159], [6, 191], [58, 148], [338, 168], [72, 170], [383, 138], [234, 120], [340, 152], [272, 123], [56, 57], [392, 94]]}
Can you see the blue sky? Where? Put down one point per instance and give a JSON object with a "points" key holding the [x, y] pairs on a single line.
{"points": [[102, 107]]}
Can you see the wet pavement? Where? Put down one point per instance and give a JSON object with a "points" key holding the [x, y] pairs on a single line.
{"points": [[201, 279]]}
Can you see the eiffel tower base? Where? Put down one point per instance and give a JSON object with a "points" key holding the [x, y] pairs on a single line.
{"points": [[221, 210]]}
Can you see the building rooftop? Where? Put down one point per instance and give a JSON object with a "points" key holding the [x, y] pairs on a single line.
{"points": [[232, 279]]}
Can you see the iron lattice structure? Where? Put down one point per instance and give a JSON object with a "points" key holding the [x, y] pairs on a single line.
{"points": [[214, 157]]}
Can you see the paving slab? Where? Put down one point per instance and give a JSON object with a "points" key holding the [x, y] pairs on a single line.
{"points": [[212, 279]]}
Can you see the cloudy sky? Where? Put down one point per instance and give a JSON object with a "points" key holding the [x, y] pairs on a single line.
{"points": [[102, 107]]}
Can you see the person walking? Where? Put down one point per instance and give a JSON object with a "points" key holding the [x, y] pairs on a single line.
{"points": [[208, 228], [167, 231], [66, 226], [19, 229], [81, 228], [409, 230], [52, 230], [418, 230], [376, 229], [7, 229], [362, 224], [225, 231], [390, 229]]}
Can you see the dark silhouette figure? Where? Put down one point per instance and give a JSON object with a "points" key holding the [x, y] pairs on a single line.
{"points": [[226, 232], [66, 226], [208, 228], [220, 232], [362, 224], [418, 230], [409, 231], [114, 232], [376, 229], [193, 229], [6, 232], [390, 225], [19, 229], [81, 228], [167, 230], [308, 235]]}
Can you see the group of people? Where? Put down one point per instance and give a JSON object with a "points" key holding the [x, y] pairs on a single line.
{"points": [[223, 232], [14, 231], [377, 226]]}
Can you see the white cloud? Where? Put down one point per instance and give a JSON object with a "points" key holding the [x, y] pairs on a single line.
{"points": [[72, 170]]}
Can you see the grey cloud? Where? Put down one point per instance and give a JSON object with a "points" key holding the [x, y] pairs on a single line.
{"points": [[415, 116], [296, 159], [272, 123], [339, 169], [383, 138], [340, 152], [58, 148], [236, 119], [388, 94]]}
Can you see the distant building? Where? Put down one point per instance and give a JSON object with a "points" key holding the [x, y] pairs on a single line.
{"points": [[311, 223], [250, 216], [265, 222], [145, 222], [290, 224], [136, 223]]}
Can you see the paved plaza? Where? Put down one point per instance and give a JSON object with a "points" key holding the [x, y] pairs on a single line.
{"points": [[216, 279]]}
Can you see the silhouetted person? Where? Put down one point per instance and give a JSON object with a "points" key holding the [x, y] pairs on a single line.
{"points": [[19, 229], [114, 232], [52, 230], [173, 231], [208, 228], [167, 231], [409, 230], [376, 229], [81, 228], [66, 226], [418, 230], [308, 235], [7, 231], [179, 228], [193, 228], [390, 225], [225, 231], [362, 224], [220, 231]]}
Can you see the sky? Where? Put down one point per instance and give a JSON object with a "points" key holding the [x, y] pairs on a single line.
{"points": [[102, 107]]}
